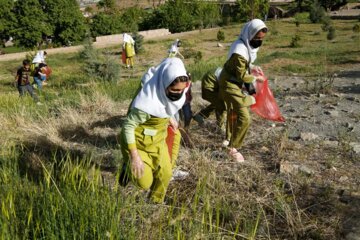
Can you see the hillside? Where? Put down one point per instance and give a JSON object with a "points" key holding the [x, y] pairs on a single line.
{"points": [[59, 161]]}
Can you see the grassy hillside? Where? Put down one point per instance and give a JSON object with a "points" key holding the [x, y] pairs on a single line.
{"points": [[59, 161]]}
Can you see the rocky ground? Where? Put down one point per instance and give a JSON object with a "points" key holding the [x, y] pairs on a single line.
{"points": [[320, 141]]}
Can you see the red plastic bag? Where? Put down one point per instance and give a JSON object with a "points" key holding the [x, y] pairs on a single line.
{"points": [[47, 70], [123, 56], [265, 105], [170, 139]]}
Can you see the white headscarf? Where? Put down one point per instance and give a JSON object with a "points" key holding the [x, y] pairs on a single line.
{"points": [[242, 45], [128, 38], [152, 97], [39, 57]]}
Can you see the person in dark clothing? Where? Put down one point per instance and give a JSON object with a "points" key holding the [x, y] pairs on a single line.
{"points": [[23, 81]]}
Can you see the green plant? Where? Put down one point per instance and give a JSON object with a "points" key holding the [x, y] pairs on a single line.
{"points": [[356, 28], [295, 41], [220, 36], [331, 33], [139, 39], [317, 12], [326, 24]]}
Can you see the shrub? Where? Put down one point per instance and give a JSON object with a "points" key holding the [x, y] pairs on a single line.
{"points": [[331, 33], [326, 23], [295, 41], [139, 39], [220, 35], [356, 28], [317, 13], [98, 66]]}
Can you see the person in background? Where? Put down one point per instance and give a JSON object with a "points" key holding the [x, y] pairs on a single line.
{"points": [[129, 48], [174, 49], [210, 93], [235, 74], [40, 58], [22, 80], [149, 156], [40, 76]]}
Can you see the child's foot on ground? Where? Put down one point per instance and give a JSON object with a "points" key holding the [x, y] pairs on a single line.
{"points": [[235, 155]]}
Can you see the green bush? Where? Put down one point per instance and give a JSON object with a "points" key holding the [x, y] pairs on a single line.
{"points": [[356, 28], [326, 24], [99, 66], [331, 33], [317, 13], [220, 36], [295, 41], [139, 39]]}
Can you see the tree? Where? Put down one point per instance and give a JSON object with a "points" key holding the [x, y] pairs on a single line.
{"points": [[68, 23], [177, 16], [329, 4], [7, 19], [131, 18], [31, 24], [250, 9], [106, 24], [205, 14]]}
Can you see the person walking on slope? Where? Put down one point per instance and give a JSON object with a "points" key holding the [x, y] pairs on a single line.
{"points": [[129, 48], [235, 74], [148, 158], [174, 49], [22, 80]]}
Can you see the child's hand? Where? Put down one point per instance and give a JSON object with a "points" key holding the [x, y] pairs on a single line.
{"points": [[137, 165], [174, 124]]}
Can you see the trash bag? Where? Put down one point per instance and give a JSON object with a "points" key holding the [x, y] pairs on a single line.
{"points": [[123, 56], [47, 70], [170, 139], [265, 105]]}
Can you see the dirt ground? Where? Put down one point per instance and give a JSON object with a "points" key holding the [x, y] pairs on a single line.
{"points": [[320, 140]]}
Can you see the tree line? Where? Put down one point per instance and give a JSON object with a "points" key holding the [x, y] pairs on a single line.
{"points": [[31, 23]]}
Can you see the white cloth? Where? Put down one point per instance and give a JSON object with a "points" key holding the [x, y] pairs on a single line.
{"points": [[242, 45], [128, 39], [152, 97], [39, 57], [217, 73]]}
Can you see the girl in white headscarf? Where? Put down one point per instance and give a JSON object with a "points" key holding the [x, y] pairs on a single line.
{"points": [[147, 159], [235, 74], [174, 49], [129, 48]]}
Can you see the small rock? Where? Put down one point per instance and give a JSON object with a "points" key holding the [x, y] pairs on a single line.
{"points": [[332, 113], [337, 95], [287, 167], [219, 45], [332, 144], [308, 136], [321, 95], [355, 147], [350, 98], [291, 168], [306, 170], [343, 178], [264, 149]]}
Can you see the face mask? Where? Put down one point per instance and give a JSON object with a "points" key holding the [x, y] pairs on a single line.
{"points": [[174, 96], [255, 43]]}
